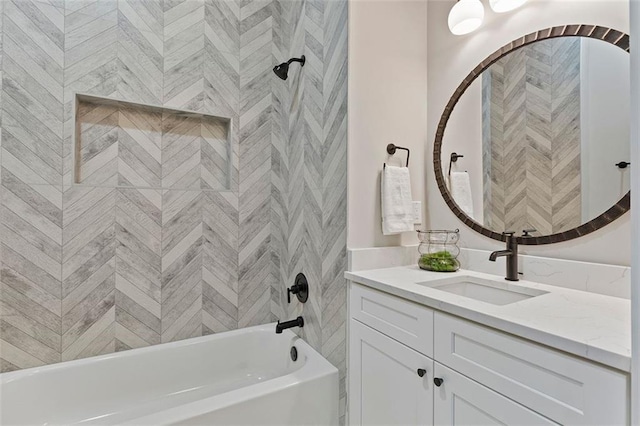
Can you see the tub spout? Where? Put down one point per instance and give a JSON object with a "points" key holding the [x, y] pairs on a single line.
{"points": [[298, 322]]}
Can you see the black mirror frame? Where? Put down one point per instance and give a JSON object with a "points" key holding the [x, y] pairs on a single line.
{"points": [[608, 35]]}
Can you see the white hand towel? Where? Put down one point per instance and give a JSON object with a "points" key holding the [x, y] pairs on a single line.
{"points": [[397, 204], [460, 187]]}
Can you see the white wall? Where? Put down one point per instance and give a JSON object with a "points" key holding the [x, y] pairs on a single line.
{"points": [[387, 104], [464, 136], [635, 211], [604, 120], [451, 58]]}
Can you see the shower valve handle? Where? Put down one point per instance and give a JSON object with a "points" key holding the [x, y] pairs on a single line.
{"points": [[300, 288]]}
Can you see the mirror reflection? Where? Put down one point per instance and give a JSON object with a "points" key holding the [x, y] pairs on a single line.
{"points": [[541, 132]]}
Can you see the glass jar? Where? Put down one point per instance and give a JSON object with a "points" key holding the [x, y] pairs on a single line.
{"points": [[439, 250]]}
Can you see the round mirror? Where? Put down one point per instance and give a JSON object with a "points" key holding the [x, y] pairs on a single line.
{"points": [[536, 139]]}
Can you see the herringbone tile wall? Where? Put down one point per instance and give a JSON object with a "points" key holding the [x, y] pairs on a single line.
{"points": [[531, 138], [172, 233]]}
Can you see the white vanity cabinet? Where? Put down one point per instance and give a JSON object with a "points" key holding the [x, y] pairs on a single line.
{"points": [[390, 368], [485, 376]]}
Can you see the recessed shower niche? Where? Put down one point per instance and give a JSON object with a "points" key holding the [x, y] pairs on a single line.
{"points": [[125, 144]]}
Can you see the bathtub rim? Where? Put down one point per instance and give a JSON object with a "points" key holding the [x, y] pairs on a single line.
{"points": [[9, 376], [317, 367], [314, 367]]}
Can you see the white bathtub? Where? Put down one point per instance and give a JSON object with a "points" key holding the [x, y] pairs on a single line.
{"points": [[243, 377]]}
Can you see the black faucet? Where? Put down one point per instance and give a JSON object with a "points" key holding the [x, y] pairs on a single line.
{"points": [[298, 322], [511, 253]]}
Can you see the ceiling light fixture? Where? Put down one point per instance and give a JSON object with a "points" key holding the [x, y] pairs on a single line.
{"points": [[501, 6], [466, 16]]}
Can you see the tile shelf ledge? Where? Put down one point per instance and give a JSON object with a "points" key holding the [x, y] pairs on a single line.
{"points": [[101, 100], [215, 134]]}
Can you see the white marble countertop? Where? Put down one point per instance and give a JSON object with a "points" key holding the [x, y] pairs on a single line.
{"points": [[588, 325]]}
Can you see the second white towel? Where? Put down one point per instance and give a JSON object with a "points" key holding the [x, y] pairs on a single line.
{"points": [[460, 188], [397, 204]]}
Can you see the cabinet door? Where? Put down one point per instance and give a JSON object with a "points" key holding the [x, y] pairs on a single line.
{"points": [[384, 384], [561, 387], [461, 401]]}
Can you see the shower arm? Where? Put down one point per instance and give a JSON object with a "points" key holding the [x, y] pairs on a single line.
{"points": [[302, 60]]}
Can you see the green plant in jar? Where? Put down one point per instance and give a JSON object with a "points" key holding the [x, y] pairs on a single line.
{"points": [[441, 261]]}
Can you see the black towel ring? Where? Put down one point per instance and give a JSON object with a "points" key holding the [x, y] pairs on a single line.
{"points": [[391, 150], [454, 159]]}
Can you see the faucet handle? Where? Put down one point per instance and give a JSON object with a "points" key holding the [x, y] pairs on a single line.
{"points": [[528, 232], [300, 288]]}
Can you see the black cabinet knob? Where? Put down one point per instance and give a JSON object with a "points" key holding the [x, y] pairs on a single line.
{"points": [[438, 381], [421, 372]]}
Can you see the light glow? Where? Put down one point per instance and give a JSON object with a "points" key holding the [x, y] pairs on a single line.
{"points": [[502, 6], [466, 16]]}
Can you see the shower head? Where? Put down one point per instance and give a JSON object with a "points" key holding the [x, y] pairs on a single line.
{"points": [[282, 70]]}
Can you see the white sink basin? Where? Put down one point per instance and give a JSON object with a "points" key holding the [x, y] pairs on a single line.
{"points": [[489, 291]]}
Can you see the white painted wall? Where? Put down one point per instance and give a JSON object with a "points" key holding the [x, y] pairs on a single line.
{"points": [[635, 212], [451, 58], [604, 120], [387, 104], [464, 136]]}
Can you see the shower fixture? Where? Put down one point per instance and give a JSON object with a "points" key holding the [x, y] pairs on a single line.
{"points": [[283, 69]]}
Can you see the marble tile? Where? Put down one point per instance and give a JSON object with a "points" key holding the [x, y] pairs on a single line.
{"points": [[31, 116], [120, 146], [363, 259], [179, 227], [41, 27], [88, 271], [140, 52], [531, 104], [181, 265], [91, 66], [181, 152], [220, 262], [138, 267], [183, 56], [609, 280], [97, 145], [139, 148], [216, 156], [255, 278]]}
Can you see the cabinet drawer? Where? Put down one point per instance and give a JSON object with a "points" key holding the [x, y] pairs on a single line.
{"points": [[403, 321], [561, 387]]}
